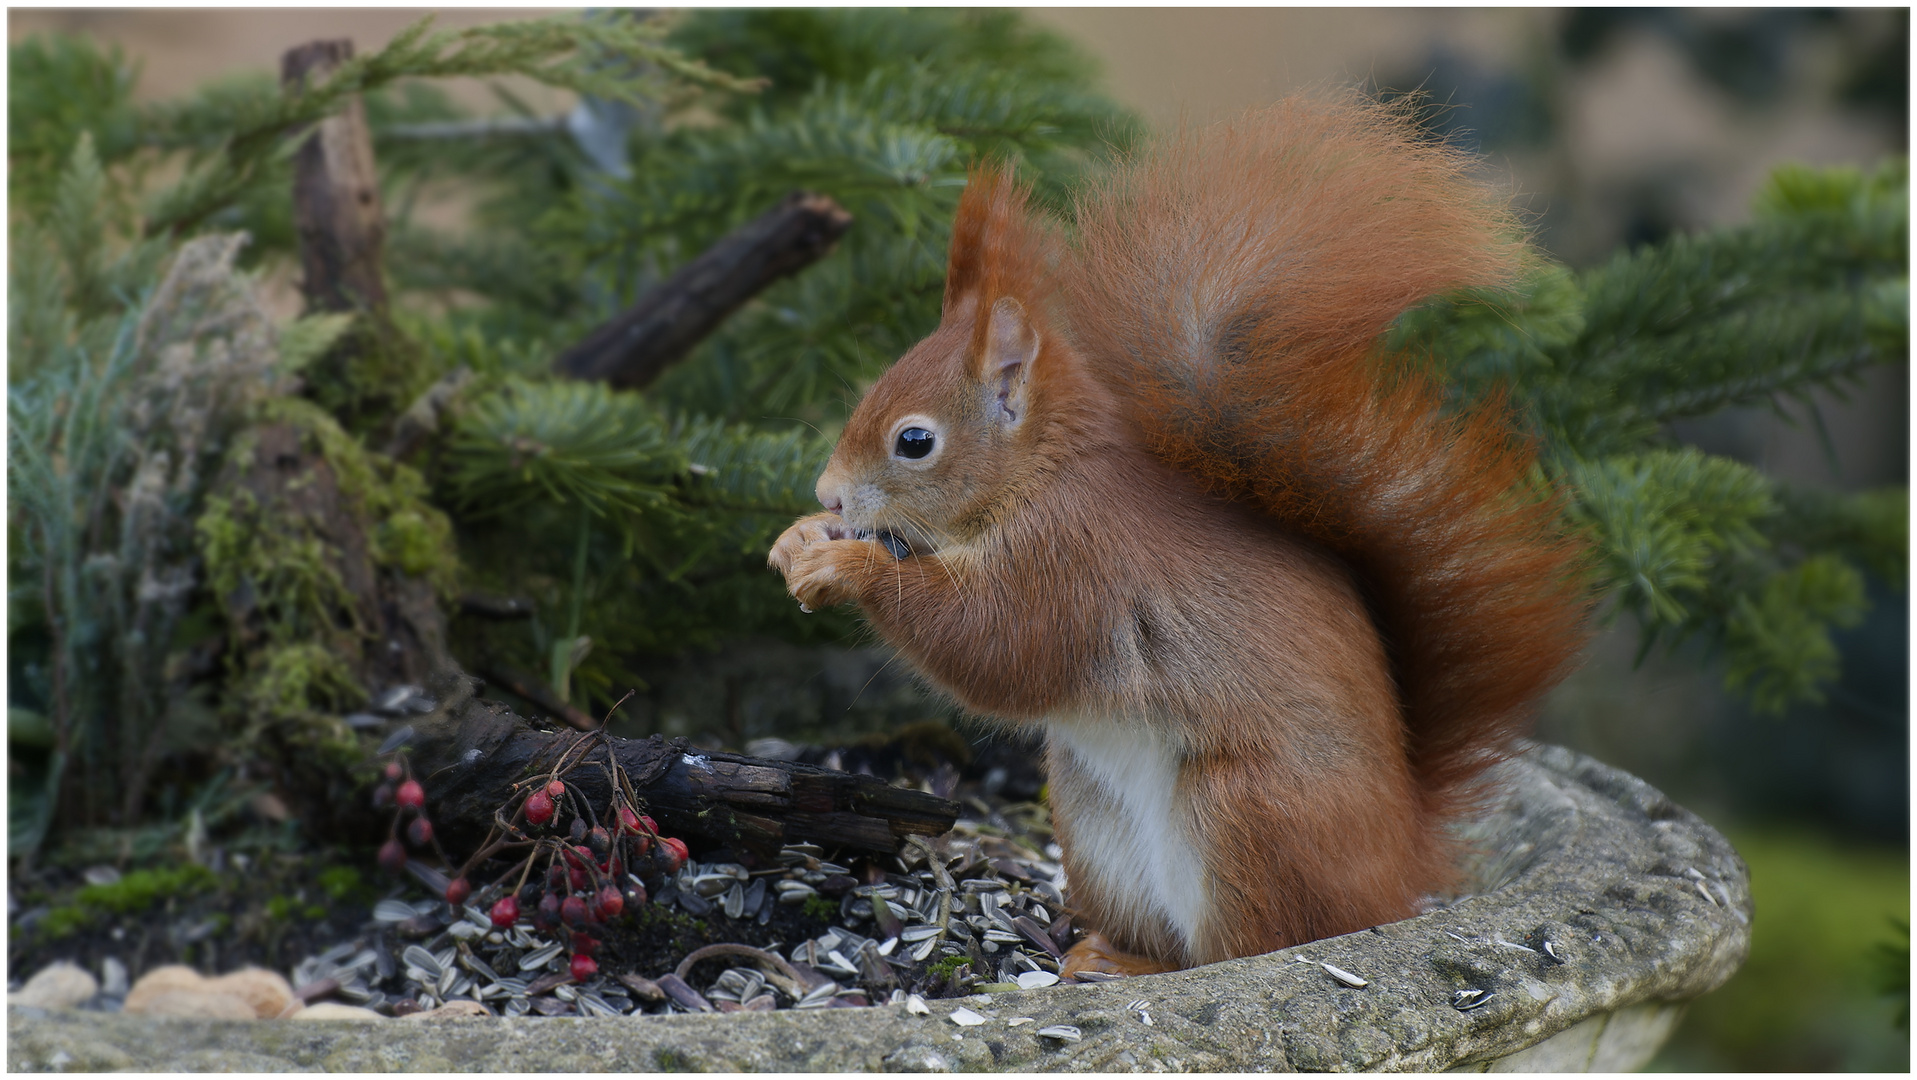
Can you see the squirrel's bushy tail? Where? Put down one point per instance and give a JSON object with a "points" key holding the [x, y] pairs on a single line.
{"points": [[1233, 284]]}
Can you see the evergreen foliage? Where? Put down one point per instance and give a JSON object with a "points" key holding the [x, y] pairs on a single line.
{"points": [[637, 523], [1809, 294]]}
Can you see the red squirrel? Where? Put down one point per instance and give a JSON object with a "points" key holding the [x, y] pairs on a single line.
{"points": [[1152, 487]]}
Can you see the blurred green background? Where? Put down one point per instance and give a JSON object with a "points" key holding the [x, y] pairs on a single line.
{"points": [[1611, 127]]}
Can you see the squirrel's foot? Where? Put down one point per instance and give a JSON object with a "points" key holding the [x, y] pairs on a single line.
{"points": [[1095, 952]]}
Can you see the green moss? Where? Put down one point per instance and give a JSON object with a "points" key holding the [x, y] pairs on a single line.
{"points": [[821, 908], [291, 679], [272, 562], [406, 531], [141, 889], [944, 968], [341, 883], [135, 892], [279, 908]]}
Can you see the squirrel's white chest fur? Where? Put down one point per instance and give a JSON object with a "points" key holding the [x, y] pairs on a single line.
{"points": [[1116, 780]]}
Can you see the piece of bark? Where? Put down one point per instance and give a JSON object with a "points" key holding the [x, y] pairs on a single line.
{"points": [[662, 326], [471, 752], [336, 206]]}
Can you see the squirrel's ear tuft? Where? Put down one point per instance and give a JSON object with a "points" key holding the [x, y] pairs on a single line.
{"points": [[1005, 361], [997, 249]]}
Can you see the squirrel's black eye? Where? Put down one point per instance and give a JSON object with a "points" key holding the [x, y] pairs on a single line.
{"points": [[914, 443]]}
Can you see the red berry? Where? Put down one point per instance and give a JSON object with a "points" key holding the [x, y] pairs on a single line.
{"points": [[578, 830], [584, 944], [651, 827], [615, 867], [583, 968], [556, 877], [392, 857], [676, 853], [538, 808], [610, 902], [578, 879], [556, 789], [392, 770], [419, 831], [641, 845], [573, 911], [382, 795], [635, 897], [549, 908], [458, 890], [599, 842], [505, 912], [628, 819], [411, 796]]}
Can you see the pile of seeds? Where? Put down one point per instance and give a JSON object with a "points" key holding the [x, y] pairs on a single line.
{"points": [[979, 909]]}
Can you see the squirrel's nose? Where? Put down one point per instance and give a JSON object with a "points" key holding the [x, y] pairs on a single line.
{"points": [[834, 505]]}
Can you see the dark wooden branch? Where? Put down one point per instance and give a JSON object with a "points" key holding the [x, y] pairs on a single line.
{"points": [[636, 346], [469, 755], [336, 204], [539, 694]]}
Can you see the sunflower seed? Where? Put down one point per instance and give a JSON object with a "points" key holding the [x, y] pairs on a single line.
{"points": [[915, 1005], [1097, 976], [539, 958], [710, 885], [592, 1005], [964, 1017], [1466, 1000], [890, 944], [1035, 980], [1065, 1032], [447, 980], [1551, 950], [518, 1006], [1356, 982], [818, 996], [414, 956], [514, 987], [735, 905], [918, 933], [924, 949], [465, 931], [393, 911], [477, 966], [565, 993]]}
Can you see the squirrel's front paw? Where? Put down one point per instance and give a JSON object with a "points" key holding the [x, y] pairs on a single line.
{"points": [[820, 574], [815, 554], [817, 528]]}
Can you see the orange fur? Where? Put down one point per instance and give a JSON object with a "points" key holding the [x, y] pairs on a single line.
{"points": [[1275, 610]]}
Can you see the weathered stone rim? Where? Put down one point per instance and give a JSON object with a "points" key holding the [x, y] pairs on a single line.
{"points": [[1640, 900]]}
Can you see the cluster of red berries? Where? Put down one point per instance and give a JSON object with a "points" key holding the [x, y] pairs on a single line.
{"points": [[593, 874], [409, 800]]}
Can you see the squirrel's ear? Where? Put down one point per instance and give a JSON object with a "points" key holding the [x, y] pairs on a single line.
{"points": [[1011, 347]]}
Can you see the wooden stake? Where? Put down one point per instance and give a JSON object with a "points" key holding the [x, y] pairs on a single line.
{"points": [[336, 205]]}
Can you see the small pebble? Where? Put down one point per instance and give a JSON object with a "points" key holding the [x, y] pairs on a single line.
{"points": [[60, 985]]}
